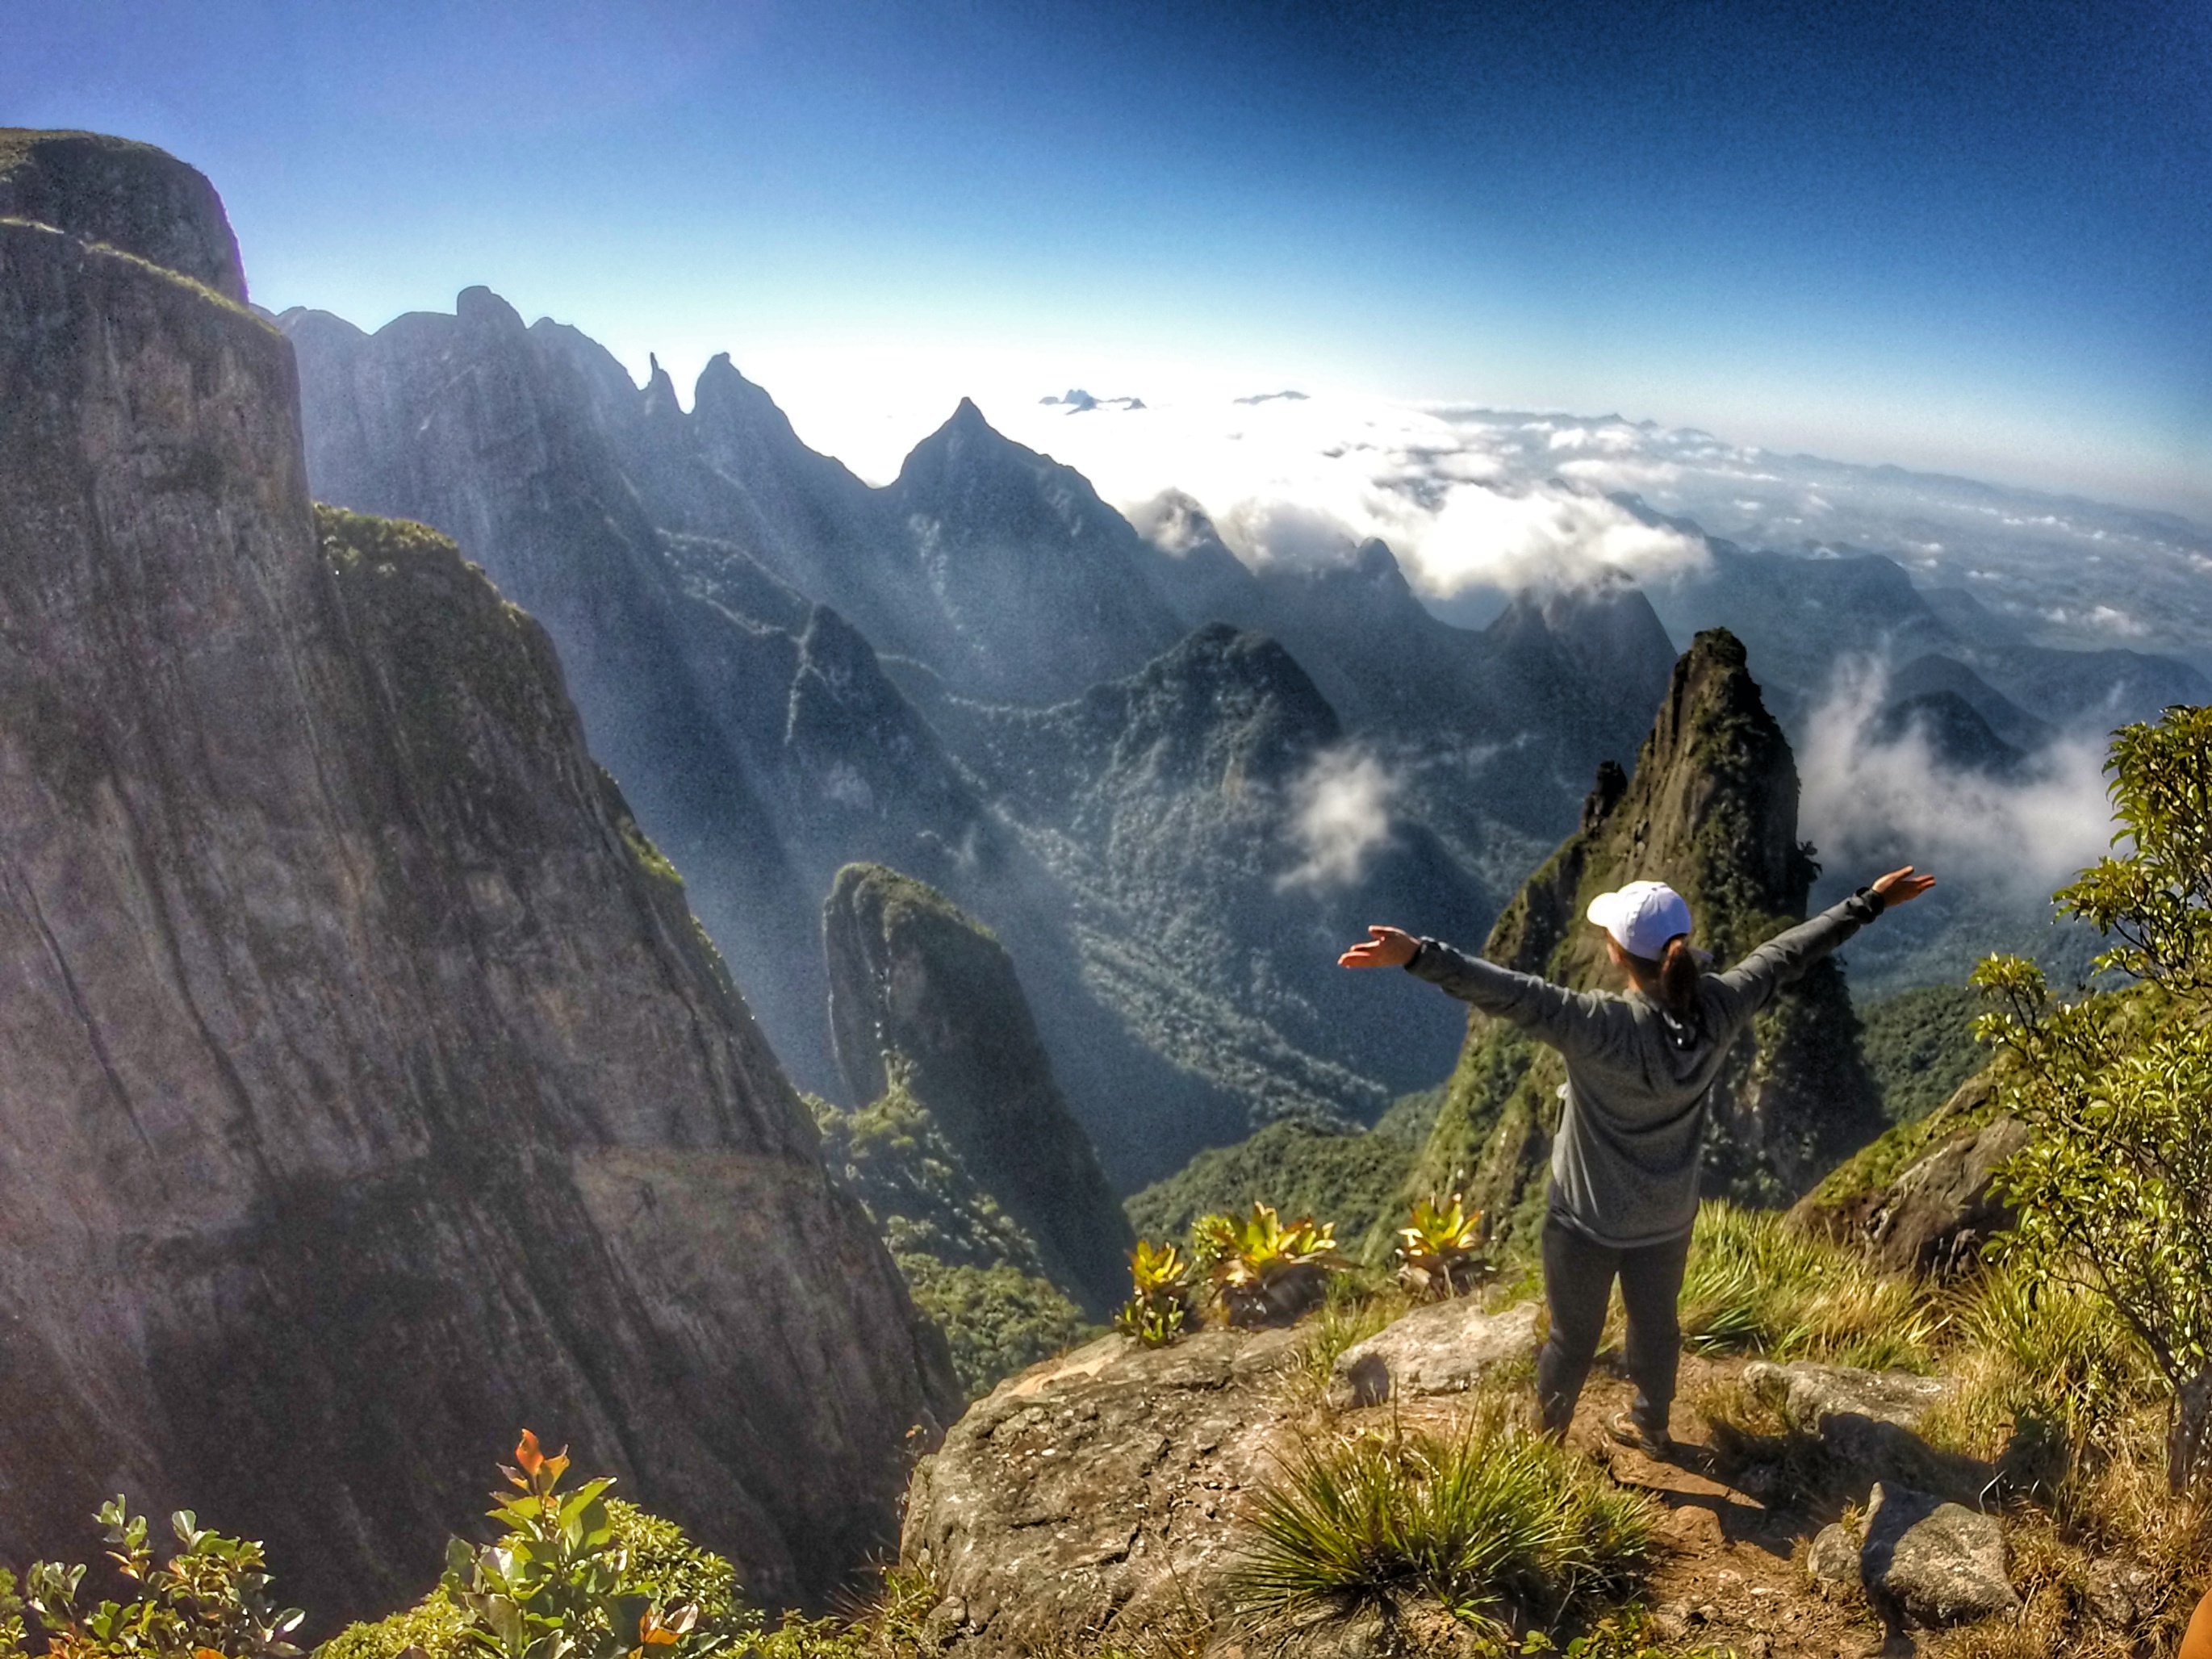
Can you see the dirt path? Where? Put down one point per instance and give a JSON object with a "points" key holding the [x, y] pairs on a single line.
{"points": [[1732, 1573]]}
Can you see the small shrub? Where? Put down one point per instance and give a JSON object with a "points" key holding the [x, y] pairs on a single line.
{"points": [[1443, 1248], [1758, 1283], [558, 1585], [1490, 1519], [1264, 1271], [210, 1596], [2114, 1192], [1160, 1300]]}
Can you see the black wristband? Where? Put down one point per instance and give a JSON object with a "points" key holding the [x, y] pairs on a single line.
{"points": [[1419, 945], [1875, 902]]}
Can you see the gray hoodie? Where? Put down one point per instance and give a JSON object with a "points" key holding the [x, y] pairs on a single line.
{"points": [[1625, 1165]]}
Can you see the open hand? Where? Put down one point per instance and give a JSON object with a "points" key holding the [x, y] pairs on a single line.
{"points": [[1901, 886], [1383, 947]]}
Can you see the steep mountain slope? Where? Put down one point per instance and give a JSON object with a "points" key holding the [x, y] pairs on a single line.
{"points": [[1711, 809], [923, 1000], [752, 730], [369, 1090], [1497, 732], [1222, 842]]}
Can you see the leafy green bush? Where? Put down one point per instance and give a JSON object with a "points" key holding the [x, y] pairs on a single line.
{"points": [[2114, 1192], [559, 1584], [1494, 1517], [1758, 1283], [210, 1596]]}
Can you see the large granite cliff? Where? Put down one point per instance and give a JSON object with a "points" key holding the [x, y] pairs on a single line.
{"points": [[369, 1091], [1712, 810]]}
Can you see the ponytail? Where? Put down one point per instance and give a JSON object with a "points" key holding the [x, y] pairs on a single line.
{"points": [[1678, 978]]}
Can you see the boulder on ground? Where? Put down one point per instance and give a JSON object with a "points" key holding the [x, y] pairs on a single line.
{"points": [[1934, 1563], [1093, 1499], [1443, 1348], [1866, 1425], [1935, 1215]]}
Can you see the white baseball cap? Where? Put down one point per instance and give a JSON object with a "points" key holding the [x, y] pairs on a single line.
{"points": [[1641, 917]]}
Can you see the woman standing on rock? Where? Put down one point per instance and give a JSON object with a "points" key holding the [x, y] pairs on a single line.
{"points": [[1640, 1071]]}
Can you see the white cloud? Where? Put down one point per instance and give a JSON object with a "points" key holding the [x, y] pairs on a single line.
{"points": [[1341, 818], [1864, 796]]}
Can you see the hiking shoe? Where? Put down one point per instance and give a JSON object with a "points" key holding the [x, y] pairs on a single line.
{"points": [[1633, 1432]]}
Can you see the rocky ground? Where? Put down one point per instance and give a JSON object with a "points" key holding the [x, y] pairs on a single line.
{"points": [[1096, 1501]]}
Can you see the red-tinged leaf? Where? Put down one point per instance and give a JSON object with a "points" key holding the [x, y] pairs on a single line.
{"points": [[527, 1457]]}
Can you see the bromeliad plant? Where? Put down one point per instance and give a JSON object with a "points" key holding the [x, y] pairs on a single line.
{"points": [[558, 1585], [1161, 1277], [1442, 1250], [1263, 1271], [210, 1598]]}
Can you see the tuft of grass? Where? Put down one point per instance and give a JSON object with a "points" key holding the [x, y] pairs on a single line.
{"points": [[2035, 1355], [1487, 1521], [1757, 1283]]}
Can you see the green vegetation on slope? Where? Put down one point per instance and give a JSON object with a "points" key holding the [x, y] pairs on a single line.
{"points": [[1352, 1180], [1920, 1045], [969, 1265]]}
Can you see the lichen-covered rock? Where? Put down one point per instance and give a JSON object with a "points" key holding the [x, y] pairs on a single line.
{"points": [[1866, 1425], [1712, 810], [1936, 1563], [1443, 1348], [1092, 1499], [1832, 1562], [922, 996], [369, 1091], [129, 195]]}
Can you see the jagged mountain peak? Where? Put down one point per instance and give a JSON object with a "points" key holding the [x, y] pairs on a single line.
{"points": [[476, 307], [128, 195], [1711, 810]]}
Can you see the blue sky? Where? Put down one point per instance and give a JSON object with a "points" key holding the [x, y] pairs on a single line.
{"points": [[1969, 237]]}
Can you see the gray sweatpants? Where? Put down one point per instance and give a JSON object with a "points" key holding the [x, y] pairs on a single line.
{"points": [[1578, 1275]]}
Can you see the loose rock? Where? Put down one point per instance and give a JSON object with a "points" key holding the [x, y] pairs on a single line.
{"points": [[1097, 1494], [1443, 1348], [1832, 1564], [1937, 1563]]}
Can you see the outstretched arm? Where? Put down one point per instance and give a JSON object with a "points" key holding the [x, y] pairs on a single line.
{"points": [[1785, 958], [1565, 1019]]}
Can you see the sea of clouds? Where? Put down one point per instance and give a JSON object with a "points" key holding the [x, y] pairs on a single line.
{"points": [[1477, 501], [1477, 498]]}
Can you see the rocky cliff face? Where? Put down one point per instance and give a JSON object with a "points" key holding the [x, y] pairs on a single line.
{"points": [[370, 1091], [129, 195], [1712, 810], [924, 999]]}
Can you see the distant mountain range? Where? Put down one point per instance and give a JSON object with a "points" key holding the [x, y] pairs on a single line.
{"points": [[1115, 743]]}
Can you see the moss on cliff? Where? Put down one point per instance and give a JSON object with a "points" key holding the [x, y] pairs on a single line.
{"points": [[1352, 1180]]}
